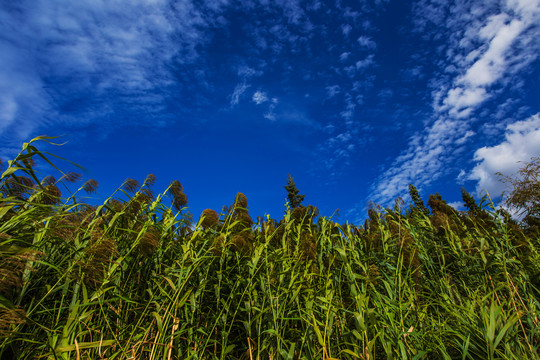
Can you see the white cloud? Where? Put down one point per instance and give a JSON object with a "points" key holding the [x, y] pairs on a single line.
{"points": [[367, 42], [460, 101], [420, 164], [361, 64], [238, 91], [344, 56], [490, 61], [491, 66], [348, 113], [336, 150], [486, 45], [259, 97], [462, 140], [346, 29], [8, 111], [92, 48], [247, 72], [522, 141], [332, 91], [457, 205], [270, 114]]}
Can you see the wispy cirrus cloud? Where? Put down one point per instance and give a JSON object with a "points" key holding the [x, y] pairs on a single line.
{"points": [[332, 90], [238, 91], [64, 61], [487, 43]]}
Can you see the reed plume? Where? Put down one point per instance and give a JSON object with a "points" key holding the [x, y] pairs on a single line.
{"points": [[243, 243], [90, 186], [307, 246], [131, 185], [149, 242], [50, 195], [70, 177], [48, 180], [179, 197], [10, 318], [150, 180], [210, 218], [13, 263], [97, 257], [240, 201]]}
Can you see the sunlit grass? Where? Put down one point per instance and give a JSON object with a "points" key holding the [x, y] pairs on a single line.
{"points": [[134, 279]]}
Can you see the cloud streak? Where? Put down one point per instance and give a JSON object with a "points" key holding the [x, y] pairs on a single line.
{"points": [[482, 60], [65, 61]]}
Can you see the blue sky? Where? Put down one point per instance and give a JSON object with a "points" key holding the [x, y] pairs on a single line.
{"points": [[355, 99]]}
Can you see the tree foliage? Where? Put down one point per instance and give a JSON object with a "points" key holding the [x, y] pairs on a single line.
{"points": [[295, 199], [524, 193]]}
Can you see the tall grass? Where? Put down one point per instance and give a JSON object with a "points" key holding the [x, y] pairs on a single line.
{"points": [[133, 279]]}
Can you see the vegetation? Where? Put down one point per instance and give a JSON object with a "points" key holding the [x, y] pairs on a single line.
{"points": [[132, 278], [293, 194], [525, 194]]}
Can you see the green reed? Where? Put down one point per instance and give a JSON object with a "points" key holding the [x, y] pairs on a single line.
{"points": [[135, 279]]}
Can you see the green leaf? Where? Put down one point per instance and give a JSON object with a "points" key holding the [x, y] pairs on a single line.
{"points": [[505, 328], [85, 345], [352, 353], [159, 321], [228, 349], [317, 331]]}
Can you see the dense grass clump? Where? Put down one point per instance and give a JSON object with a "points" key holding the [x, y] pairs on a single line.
{"points": [[133, 278]]}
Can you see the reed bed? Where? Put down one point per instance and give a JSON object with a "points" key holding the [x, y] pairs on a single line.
{"points": [[137, 279]]}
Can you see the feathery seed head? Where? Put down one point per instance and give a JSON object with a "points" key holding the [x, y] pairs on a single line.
{"points": [[226, 209], [373, 273], [71, 177], [373, 215], [97, 258], [240, 201], [176, 187], [50, 195], [179, 201], [12, 267], [150, 180], [307, 246], [90, 186], [115, 205], [244, 219], [131, 185], [48, 180], [9, 318], [298, 213], [149, 241], [18, 186], [218, 245], [439, 220], [65, 227], [209, 218], [142, 198], [179, 197], [241, 243]]}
